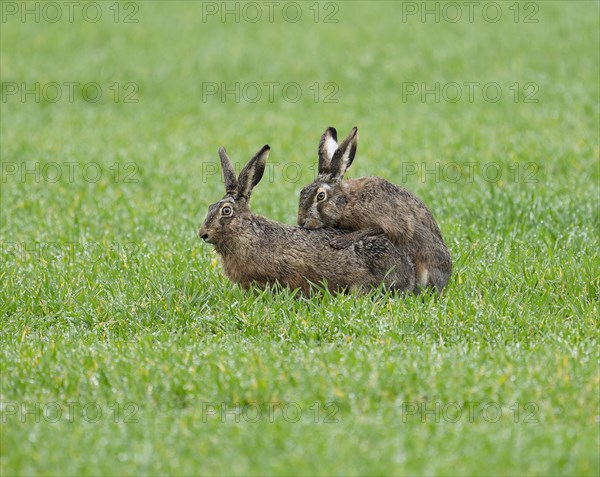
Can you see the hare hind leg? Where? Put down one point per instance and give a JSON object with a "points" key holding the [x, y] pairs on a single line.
{"points": [[438, 279], [345, 240]]}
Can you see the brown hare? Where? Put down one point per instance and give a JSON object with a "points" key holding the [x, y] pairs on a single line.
{"points": [[255, 250], [371, 205]]}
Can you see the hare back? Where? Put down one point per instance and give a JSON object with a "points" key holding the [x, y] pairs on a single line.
{"points": [[375, 203], [265, 252]]}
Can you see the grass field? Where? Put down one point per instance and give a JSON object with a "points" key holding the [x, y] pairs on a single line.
{"points": [[126, 351]]}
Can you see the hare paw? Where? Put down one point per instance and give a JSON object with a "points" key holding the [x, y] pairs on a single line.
{"points": [[342, 241]]}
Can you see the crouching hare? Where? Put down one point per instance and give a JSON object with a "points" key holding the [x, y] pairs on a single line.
{"points": [[371, 205], [255, 250]]}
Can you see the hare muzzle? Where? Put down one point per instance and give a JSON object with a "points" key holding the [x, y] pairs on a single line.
{"points": [[203, 234]]}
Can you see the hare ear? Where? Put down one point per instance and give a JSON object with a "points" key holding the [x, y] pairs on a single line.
{"points": [[228, 173], [327, 147], [344, 155], [252, 173]]}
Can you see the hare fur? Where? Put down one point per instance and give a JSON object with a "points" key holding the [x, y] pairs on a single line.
{"points": [[371, 205], [261, 252]]}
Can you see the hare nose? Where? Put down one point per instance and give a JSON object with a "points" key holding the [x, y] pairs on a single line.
{"points": [[204, 237]]}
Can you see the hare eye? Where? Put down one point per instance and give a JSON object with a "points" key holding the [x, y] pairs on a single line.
{"points": [[321, 196], [226, 211]]}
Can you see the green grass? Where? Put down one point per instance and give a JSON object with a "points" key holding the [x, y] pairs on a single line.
{"points": [[110, 302]]}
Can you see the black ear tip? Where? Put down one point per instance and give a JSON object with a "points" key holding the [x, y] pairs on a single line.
{"points": [[354, 131]]}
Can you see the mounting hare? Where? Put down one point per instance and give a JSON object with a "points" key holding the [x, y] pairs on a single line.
{"points": [[255, 250], [371, 205]]}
